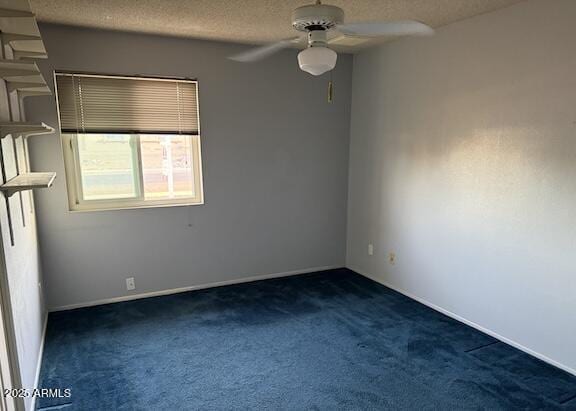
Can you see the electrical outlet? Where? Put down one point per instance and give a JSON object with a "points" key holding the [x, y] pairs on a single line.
{"points": [[370, 249], [392, 258], [130, 284]]}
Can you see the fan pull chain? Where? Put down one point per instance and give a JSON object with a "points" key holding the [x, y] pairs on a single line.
{"points": [[330, 89]]}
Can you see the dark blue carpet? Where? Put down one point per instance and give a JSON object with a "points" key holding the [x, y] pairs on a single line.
{"points": [[326, 341]]}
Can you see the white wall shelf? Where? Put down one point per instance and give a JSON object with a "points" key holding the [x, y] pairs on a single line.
{"points": [[27, 87], [28, 181], [11, 68], [25, 82], [35, 91], [9, 38], [24, 129], [28, 54]]}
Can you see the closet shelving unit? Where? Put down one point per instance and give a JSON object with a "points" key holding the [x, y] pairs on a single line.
{"points": [[22, 43], [20, 31], [20, 46]]}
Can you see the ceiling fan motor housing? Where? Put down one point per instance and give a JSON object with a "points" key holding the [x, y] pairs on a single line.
{"points": [[318, 17]]}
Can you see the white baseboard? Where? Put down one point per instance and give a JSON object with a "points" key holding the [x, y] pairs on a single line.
{"points": [[467, 322], [192, 288], [39, 364]]}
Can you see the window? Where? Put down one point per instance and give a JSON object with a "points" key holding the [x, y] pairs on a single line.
{"points": [[129, 141]]}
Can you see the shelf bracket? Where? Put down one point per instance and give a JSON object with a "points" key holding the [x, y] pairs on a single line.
{"points": [[10, 37], [25, 129]]}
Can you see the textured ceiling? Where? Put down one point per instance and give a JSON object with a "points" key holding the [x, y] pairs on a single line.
{"points": [[245, 21]]}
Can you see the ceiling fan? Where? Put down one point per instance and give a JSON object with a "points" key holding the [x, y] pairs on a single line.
{"points": [[316, 20]]}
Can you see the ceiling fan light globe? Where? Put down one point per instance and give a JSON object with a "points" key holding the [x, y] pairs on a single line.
{"points": [[317, 60]]}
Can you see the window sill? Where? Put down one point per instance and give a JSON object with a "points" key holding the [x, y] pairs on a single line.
{"points": [[131, 207]]}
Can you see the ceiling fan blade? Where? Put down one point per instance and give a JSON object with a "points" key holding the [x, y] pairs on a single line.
{"points": [[386, 28], [259, 53]]}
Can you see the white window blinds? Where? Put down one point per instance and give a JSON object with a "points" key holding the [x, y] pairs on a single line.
{"points": [[117, 104]]}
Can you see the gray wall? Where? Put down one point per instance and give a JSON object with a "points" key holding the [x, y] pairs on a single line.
{"points": [[463, 163], [275, 157], [20, 262]]}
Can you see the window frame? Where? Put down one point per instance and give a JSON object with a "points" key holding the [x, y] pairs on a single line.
{"points": [[74, 181], [70, 150]]}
